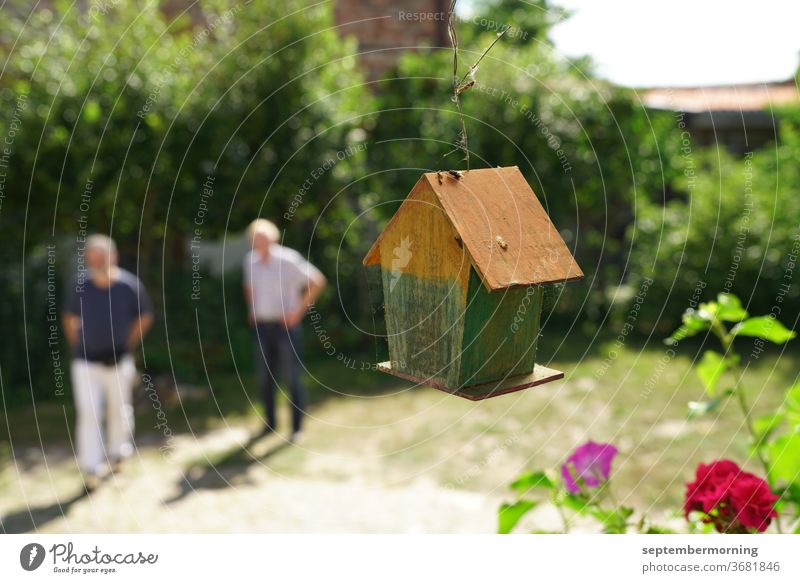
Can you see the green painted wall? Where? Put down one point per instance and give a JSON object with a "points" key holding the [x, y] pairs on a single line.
{"points": [[500, 332], [425, 324]]}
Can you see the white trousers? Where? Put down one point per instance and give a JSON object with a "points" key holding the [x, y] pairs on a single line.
{"points": [[100, 391]]}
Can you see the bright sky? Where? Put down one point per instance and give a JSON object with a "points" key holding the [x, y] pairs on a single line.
{"points": [[684, 42], [644, 43]]}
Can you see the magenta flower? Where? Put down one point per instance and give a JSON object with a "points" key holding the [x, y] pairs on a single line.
{"points": [[589, 465]]}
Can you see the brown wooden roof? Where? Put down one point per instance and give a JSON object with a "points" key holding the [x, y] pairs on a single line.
{"points": [[507, 233]]}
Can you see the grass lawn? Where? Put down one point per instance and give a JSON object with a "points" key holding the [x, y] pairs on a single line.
{"points": [[369, 428]]}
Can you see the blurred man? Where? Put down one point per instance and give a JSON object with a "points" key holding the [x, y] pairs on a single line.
{"points": [[105, 318], [279, 287]]}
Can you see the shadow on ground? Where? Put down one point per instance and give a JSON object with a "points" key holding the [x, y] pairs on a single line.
{"points": [[35, 518], [222, 472]]}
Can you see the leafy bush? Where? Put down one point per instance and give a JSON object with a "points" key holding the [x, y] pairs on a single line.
{"points": [[723, 496], [127, 119], [736, 225]]}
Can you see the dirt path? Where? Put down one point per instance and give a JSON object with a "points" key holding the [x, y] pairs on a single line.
{"points": [[229, 486]]}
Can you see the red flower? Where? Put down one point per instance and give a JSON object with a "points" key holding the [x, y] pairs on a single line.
{"points": [[733, 500]]}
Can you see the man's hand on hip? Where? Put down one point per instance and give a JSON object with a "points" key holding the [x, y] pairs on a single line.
{"points": [[293, 317]]}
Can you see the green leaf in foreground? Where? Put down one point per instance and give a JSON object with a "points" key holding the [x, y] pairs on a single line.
{"points": [[791, 494], [766, 425], [784, 455], [764, 327], [693, 323], [792, 406], [614, 521], [530, 480], [576, 503], [510, 515], [658, 530], [709, 369], [729, 308]]}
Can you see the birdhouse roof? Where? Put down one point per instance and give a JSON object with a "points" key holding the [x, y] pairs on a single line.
{"points": [[505, 230]]}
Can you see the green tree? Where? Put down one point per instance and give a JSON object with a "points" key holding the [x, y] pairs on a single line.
{"points": [[590, 150], [733, 224], [128, 114]]}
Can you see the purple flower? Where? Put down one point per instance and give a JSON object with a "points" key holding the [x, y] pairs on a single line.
{"points": [[589, 465]]}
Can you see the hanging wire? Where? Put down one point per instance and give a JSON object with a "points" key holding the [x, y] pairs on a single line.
{"points": [[463, 84], [462, 143]]}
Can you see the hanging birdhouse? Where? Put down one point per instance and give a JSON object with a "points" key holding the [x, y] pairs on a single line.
{"points": [[464, 262]]}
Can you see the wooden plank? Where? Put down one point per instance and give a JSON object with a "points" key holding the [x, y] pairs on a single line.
{"points": [[539, 376], [373, 256], [425, 274], [422, 241], [504, 227], [500, 332], [424, 324]]}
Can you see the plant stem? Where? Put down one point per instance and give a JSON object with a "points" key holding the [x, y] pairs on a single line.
{"points": [[726, 339], [562, 514]]}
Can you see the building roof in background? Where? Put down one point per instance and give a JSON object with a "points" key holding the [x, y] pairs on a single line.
{"points": [[750, 97]]}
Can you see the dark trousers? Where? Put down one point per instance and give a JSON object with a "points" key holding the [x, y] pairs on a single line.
{"points": [[278, 353]]}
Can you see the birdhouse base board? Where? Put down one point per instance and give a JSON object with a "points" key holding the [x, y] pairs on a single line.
{"points": [[539, 376]]}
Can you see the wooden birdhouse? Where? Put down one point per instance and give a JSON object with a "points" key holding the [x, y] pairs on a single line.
{"points": [[463, 263]]}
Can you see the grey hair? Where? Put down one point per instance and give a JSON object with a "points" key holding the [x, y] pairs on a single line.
{"points": [[103, 242], [265, 227]]}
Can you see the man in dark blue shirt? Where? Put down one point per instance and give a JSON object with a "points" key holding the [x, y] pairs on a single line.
{"points": [[105, 317]]}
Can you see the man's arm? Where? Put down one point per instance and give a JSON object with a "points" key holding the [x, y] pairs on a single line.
{"points": [[248, 289], [316, 283], [70, 319], [72, 325], [248, 300], [138, 329], [144, 311]]}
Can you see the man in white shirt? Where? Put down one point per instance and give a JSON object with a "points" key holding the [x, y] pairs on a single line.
{"points": [[279, 287]]}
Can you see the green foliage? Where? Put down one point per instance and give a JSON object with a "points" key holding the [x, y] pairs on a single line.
{"points": [[784, 456], [528, 21], [700, 408], [728, 308], [615, 521], [710, 369], [128, 116], [778, 451], [598, 505], [530, 480], [725, 220], [510, 514], [765, 327]]}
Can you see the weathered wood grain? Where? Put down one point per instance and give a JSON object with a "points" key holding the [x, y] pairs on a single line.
{"points": [[509, 236], [425, 325], [425, 275], [506, 232], [500, 332]]}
